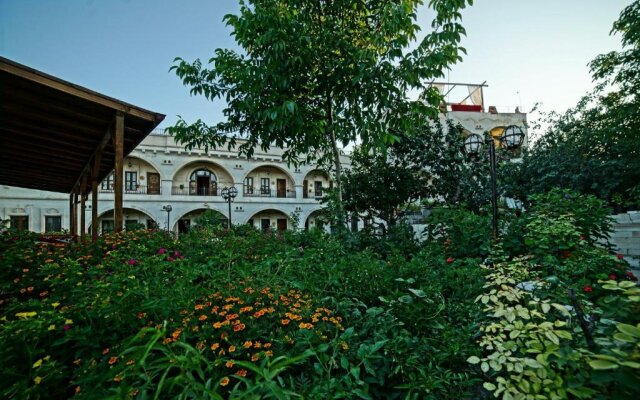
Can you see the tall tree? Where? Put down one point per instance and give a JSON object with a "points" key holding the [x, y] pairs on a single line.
{"points": [[317, 74], [428, 165], [594, 147]]}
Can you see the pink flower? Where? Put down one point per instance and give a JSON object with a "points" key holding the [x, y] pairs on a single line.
{"points": [[450, 260], [132, 262], [176, 253], [620, 256], [587, 289], [613, 277], [170, 259], [67, 327], [182, 257], [162, 250]]}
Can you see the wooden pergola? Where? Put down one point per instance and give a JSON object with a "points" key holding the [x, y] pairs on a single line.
{"points": [[61, 137]]}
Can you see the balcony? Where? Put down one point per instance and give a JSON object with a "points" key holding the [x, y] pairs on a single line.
{"points": [[313, 194], [192, 190], [134, 189], [268, 192]]}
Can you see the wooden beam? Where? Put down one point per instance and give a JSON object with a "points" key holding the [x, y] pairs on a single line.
{"points": [[118, 175], [74, 90]]}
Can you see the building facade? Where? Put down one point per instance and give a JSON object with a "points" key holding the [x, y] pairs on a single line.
{"points": [[160, 173]]}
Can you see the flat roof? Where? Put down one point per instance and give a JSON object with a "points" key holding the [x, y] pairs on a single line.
{"points": [[50, 129]]}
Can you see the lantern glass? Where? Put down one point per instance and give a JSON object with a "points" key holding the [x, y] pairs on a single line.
{"points": [[225, 193], [473, 144], [233, 192], [512, 137]]}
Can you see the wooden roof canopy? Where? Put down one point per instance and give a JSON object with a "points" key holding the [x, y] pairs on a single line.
{"points": [[51, 130]]}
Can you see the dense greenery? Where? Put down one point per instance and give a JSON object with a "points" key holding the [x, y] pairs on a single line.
{"points": [[593, 147], [241, 314]]}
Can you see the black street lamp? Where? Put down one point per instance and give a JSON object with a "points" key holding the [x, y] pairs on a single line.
{"points": [[228, 194], [168, 209], [511, 138]]}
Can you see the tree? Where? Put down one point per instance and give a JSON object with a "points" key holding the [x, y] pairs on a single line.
{"points": [[317, 74], [427, 165], [594, 147]]}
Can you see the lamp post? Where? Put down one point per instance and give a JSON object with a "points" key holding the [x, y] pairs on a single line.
{"points": [[511, 138], [228, 194], [168, 209]]}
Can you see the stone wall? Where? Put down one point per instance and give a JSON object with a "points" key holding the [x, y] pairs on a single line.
{"points": [[626, 236]]}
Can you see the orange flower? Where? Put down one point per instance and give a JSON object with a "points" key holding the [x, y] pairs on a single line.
{"points": [[77, 389], [130, 362], [113, 360], [224, 381], [202, 317], [229, 364], [232, 349], [285, 322], [199, 306], [238, 327], [268, 353], [267, 345], [217, 325], [247, 344], [215, 346], [105, 351], [242, 372], [255, 357]]}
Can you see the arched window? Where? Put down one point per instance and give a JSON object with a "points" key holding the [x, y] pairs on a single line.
{"points": [[203, 182]]}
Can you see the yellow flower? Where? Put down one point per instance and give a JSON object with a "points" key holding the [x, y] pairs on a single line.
{"points": [[27, 314], [232, 349], [68, 321], [37, 364], [37, 380], [51, 327], [55, 305]]}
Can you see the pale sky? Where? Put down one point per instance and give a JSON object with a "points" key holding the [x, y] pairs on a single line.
{"points": [[527, 51]]}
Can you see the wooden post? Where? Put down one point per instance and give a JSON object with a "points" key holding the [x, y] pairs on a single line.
{"points": [[74, 211], [118, 176], [83, 197], [71, 216], [94, 195]]}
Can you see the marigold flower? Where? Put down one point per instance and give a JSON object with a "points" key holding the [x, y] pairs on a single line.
{"points": [[229, 364], [224, 381], [255, 357], [242, 372], [268, 353], [105, 351], [247, 344], [117, 378], [77, 389], [215, 346], [267, 345], [113, 360], [202, 317], [198, 306], [238, 328], [232, 349], [130, 362]]}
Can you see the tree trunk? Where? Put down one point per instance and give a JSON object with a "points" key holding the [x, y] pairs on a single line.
{"points": [[336, 160]]}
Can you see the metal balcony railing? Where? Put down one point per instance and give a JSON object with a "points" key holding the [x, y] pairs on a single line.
{"points": [[268, 192], [134, 189], [211, 190]]}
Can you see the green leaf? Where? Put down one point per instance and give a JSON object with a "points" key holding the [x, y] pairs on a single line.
{"points": [[603, 364], [629, 330], [473, 360], [489, 386]]}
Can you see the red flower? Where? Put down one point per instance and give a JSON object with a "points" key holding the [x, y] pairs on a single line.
{"points": [[162, 250], [132, 262], [587, 289], [631, 276], [620, 256], [450, 260], [613, 277]]}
